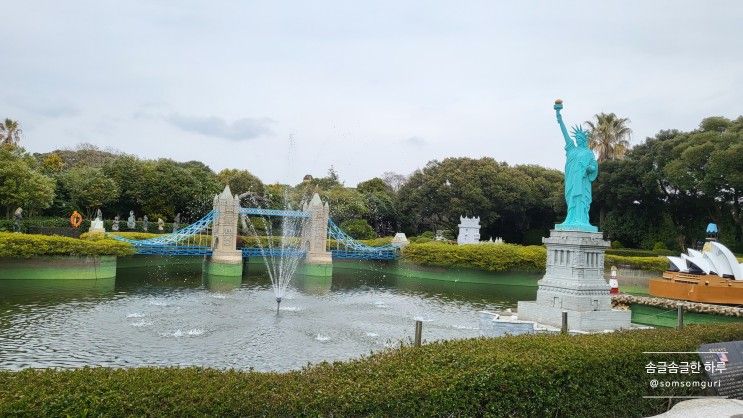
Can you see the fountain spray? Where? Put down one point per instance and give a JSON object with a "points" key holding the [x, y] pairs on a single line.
{"points": [[281, 253]]}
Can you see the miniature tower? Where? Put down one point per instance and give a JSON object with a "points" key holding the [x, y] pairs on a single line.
{"points": [[469, 230], [319, 260], [226, 259]]}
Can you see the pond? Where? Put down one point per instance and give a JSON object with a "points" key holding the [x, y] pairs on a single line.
{"points": [[173, 316]]}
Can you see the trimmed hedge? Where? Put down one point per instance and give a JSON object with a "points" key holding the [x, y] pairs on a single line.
{"points": [[656, 263], [130, 235], [489, 257], [528, 375], [26, 245], [634, 252], [507, 257], [377, 242]]}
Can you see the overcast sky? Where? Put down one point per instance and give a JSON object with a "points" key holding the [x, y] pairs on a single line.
{"points": [[366, 88]]}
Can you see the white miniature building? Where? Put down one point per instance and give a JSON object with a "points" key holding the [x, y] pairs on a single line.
{"points": [[469, 230], [400, 240]]}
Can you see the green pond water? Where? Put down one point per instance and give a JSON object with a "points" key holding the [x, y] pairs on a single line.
{"points": [[169, 314]]}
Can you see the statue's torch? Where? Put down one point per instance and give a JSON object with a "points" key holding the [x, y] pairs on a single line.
{"points": [[558, 104]]}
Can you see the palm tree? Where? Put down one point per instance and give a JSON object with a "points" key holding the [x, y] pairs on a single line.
{"points": [[10, 132], [609, 136]]}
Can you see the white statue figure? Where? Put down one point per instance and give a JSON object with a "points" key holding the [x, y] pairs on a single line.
{"points": [[131, 222], [17, 217], [177, 221], [96, 225], [160, 224], [115, 224]]}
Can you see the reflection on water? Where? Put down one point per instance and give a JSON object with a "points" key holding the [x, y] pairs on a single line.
{"points": [[46, 290], [174, 315]]}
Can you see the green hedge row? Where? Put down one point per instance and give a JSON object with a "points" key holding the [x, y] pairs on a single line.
{"points": [[507, 257], [655, 263], [634, 252], [33, 224], [488, 257], [538, 375], [7, 224], [26, 245]]}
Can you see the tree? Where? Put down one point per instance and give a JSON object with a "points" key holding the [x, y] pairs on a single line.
{"points": [[241, 181], [52, 164], [609, 135], [89, 188], [509, 200], [394, 180], [310, 184], [21, 185], [669, 187], [129, 174], [381, 202], [358, 229], [87, 155], [345, 203], [10, 133]]}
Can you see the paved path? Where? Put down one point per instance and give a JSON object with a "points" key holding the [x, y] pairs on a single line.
{"points": [[707, 408]]}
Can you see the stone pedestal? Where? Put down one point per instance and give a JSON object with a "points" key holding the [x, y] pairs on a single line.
{"points": [[96, 226], [574, 282]]}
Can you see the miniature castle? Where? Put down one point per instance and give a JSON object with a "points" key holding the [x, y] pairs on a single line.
{"points": [[469, 230]]}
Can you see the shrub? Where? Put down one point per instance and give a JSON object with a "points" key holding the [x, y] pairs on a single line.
{"points": [[659, 246], [358, 229], [634, 252], [131, 235], [507, 257], [377, 242], [25, 245], [489, 257], [665, 252], [420, 240], [616, 244], [32, 224], [528, 375], [630, 252], [655, 263], [93, 236]]}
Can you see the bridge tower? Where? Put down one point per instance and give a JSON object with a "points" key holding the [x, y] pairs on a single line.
{"points": [[319, 261], [226, 259]]}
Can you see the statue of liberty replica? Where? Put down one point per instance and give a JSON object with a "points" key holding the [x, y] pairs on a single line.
{"points": [[581, 169], [574, 278]]}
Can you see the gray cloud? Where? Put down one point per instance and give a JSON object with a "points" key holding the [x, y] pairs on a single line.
{"points": [[239, 130], [46, 107], [416, 141]]}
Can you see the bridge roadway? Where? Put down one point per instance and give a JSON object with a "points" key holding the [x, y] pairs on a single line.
{"points": [[274, 212]]}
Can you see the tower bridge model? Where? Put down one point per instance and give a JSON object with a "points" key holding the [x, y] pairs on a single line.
{"points": [[215, 237]]}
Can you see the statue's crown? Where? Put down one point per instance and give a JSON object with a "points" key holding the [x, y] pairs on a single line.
{"points": [[579, 131]]}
